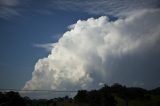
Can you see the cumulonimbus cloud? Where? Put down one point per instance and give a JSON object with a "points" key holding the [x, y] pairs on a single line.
{"points": [[81, 56]]}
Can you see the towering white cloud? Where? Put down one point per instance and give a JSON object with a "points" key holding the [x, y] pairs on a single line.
{"points": [[81, 57]]}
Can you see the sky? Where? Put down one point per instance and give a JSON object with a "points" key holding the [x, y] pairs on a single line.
{"points": [[79, 44]]}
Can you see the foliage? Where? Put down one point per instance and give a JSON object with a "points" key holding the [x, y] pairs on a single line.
{"points": [[116, 95]]}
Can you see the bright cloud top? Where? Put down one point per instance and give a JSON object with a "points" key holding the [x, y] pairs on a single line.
{"points": [[81, 56]]}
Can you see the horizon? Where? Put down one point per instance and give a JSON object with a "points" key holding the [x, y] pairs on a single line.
{"points": [[39, 94]]}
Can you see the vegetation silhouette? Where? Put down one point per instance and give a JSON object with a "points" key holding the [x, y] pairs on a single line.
{"points": [[11, 99], [115, 95]]}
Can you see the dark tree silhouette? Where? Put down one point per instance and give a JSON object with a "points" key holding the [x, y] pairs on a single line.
{"points": [[121, 91], [81, 97], [102, 97], [11, 99], [127, 94], [107, 99], [94, 98]]}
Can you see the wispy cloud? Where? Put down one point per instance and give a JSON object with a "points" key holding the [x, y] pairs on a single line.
{"points": [[8, 8], [9, 2], [104, 7], [46, 46]]}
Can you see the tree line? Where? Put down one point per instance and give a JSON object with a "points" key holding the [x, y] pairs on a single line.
{"points": [[105, 96]]}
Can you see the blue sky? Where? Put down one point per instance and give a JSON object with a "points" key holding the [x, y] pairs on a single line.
{"points": [[27, 23], [18, 36]]}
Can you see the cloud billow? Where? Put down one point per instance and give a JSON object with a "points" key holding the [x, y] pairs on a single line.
{"points": [[83, 56]]}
